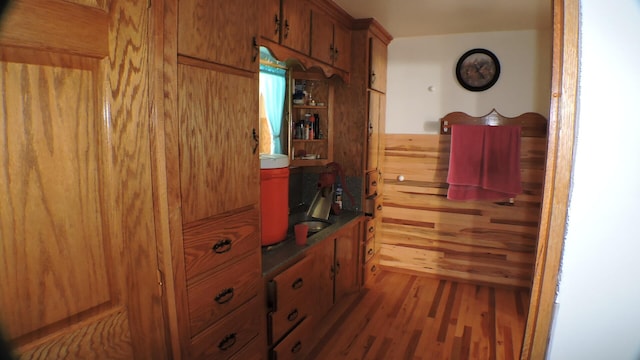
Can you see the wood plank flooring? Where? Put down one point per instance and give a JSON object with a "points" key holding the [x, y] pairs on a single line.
{"points": [[401, 316]]}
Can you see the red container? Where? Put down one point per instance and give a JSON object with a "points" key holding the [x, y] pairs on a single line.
{"points": [[274, 204]]}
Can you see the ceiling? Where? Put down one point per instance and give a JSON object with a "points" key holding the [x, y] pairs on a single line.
{"points": [[406, 18]]}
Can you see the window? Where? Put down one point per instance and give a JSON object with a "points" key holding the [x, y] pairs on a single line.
{"points": [[273, 87]]}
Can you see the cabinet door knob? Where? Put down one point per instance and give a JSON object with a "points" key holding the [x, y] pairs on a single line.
{"points": [[224, 296], [222, 246], [372, 229], [277, 21], [227, 342], [373, 77], [293, 315], [297, 284], [286, 29], [256, 50]]}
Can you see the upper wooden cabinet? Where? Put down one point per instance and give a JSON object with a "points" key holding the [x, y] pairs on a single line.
{"points": [[377, 64], [219, 31], [330, 41], [286, 22]]}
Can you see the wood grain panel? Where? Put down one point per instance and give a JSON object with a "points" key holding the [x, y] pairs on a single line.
{"points": [[209, 101], [52, 194], [108, 337], [213, 18], [476, 241]]}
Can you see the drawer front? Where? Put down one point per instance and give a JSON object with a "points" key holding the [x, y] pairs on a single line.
{"points": [[371, 227], [255, 350], [294, 295], [210, 243], [230, 335], [297, 344], [370, 249], [212, 298], [371, 269], [373, 206], [372, 183]]}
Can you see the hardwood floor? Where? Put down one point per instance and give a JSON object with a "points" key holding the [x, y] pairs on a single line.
{"points": [[400, 316]]}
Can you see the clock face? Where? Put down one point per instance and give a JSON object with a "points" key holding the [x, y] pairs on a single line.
{"points": [[478, 70]]}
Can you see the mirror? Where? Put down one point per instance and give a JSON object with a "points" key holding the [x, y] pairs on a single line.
{"points": [[273, 89]]}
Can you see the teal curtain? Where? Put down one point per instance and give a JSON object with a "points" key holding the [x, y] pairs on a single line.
{"points": [[272, 87]]}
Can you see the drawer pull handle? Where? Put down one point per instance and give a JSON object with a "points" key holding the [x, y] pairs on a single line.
{"points": [[296, 348], [373, 268], [297, 284], [227, 342], [293, 315], [379, 207], [370, 252], [222, 246], [224, 296], [372, 229]]}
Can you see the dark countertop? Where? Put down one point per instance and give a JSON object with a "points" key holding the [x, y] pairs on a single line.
{"points": [[285, 253]]}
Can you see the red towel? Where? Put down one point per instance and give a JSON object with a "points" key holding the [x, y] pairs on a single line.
{"points": [[484, 162]]}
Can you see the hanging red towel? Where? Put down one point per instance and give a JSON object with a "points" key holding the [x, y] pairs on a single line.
{"points": [[484, 162]]}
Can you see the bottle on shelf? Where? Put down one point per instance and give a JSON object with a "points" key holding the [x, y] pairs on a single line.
{"points": [[312, 127], [316, 126], [338, 193]]}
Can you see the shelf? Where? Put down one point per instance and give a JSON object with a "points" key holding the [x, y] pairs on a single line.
{"points": [[315, 107]]}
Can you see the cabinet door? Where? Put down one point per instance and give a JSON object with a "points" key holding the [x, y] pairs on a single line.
{"points": [[270, 20], [296, 26], [322, 37], [377, 65], [220, 31], [78, 258], [324, 277], [218, 114], [341, 47], [373, 137], [346, 260]]}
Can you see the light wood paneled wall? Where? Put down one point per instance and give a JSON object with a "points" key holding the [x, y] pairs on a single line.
{"points": [[477, 241]]}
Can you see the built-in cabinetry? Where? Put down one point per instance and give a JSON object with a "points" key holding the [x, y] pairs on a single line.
{"points": [[213, 180], [311, 128], [363, 133], [330, 40], [286, 22], [301, 295]]}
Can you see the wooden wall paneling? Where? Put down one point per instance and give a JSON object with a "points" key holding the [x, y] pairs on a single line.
{"points": [[77, 168], [476, 241]]}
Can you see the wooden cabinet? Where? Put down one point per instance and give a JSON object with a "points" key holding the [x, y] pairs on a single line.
{"points": [[377, 64], [375, 130], [219, 31], [213, 181], [316, 151], [336, 267], [291, 297], [286, 22], [330, 41], [79, 230]]}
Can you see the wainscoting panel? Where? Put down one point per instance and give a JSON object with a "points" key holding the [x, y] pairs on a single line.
{"points": [[478, 241]]}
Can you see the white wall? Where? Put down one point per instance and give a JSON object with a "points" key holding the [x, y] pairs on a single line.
{"points": [[599, 294], [415, 64]]}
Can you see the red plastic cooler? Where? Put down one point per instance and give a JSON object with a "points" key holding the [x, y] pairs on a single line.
{"points": [[274, 198]]}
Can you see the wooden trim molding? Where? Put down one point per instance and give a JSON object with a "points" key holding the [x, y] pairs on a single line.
{"points": [[557, 179]]}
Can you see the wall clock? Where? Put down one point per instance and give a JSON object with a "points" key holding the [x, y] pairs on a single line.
{"points": [[478, 70]]}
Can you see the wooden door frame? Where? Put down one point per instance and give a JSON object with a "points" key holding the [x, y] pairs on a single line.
{"points": [[557, 179]]}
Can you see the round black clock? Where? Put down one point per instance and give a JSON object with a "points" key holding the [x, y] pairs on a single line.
{"points": [[478, 70]]}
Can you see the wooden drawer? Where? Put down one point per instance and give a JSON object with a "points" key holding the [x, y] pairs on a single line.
{"points": [[229, 335], [371, 269], [210, 243], [371, 227], [292, 295], [369, 249], [217, 295], [373, 206], [297, 344], [372, 183]]}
